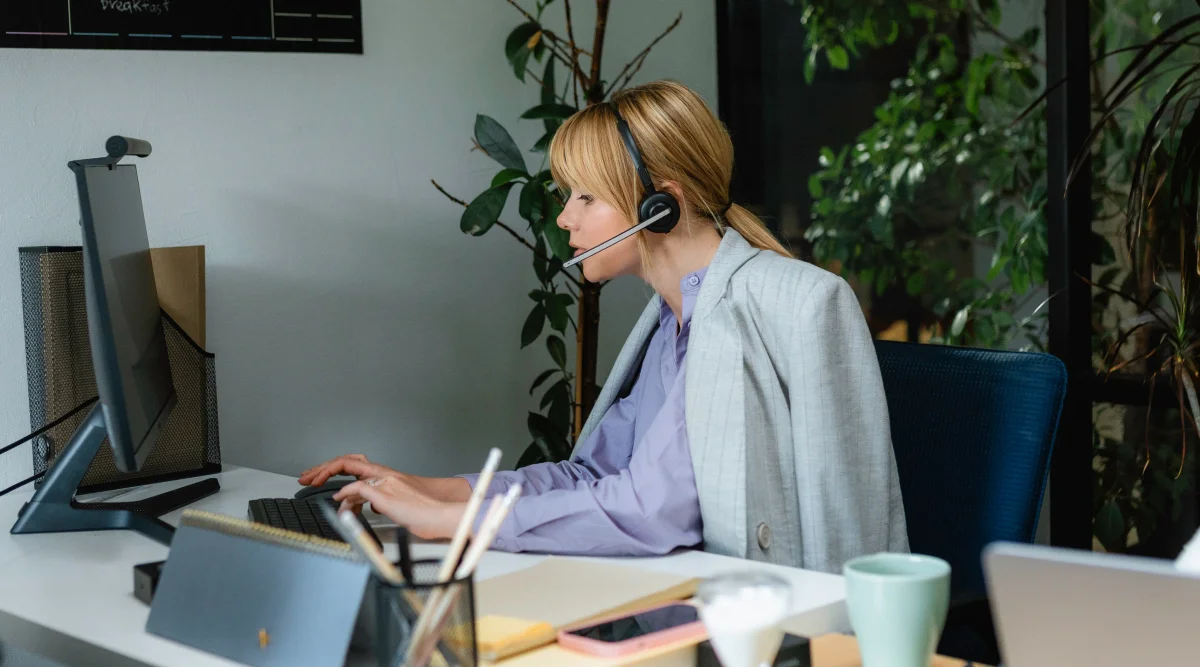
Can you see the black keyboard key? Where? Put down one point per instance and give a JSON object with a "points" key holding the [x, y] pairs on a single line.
{"points": [[300, 516]]}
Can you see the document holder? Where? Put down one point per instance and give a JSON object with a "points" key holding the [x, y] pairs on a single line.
{"points": [[258, 595]]}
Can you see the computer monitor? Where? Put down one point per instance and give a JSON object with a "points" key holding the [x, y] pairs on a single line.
{"points": [[129, 346], [129, 353]]}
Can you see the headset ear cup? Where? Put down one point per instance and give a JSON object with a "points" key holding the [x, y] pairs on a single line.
{"points": [[653, 204]]}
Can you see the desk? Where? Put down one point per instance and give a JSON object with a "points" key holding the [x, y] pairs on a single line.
{"points": [[69, 596]]}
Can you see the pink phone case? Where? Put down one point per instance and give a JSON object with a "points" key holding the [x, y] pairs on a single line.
{"points": [[694, 630]]}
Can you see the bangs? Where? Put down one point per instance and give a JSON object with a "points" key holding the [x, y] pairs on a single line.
{"points": [[587, 154]]}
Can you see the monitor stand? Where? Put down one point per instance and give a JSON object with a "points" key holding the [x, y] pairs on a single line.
{"points": [[54, 509]]}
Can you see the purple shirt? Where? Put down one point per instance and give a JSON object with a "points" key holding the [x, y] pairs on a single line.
{"points": [[629, 491]]}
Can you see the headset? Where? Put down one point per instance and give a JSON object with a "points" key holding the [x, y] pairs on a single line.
{"points": [[658, 211]]}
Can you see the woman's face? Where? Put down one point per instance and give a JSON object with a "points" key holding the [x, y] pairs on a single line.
{"points": [[591, 222]]}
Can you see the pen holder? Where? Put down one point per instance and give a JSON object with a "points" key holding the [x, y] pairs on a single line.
{"points": [[398, 610]]}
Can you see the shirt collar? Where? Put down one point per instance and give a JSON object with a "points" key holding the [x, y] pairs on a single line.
{"points": [[689, 286]]}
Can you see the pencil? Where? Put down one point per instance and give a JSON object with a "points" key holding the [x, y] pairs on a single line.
{"points": [[467, 522], [433, 617]]}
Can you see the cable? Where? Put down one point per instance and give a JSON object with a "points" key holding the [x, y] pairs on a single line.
{"points": [[38, 432]]}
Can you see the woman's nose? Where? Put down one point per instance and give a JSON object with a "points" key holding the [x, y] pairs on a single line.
{"points": [[562, 221]]}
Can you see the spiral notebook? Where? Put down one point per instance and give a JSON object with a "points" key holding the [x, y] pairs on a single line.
{"points": [[258, 595]]}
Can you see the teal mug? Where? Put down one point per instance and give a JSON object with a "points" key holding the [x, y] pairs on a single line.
{"points": [[897, 605]]}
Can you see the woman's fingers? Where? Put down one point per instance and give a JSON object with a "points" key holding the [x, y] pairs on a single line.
{"points": [[362, 492], [347, 457], [357, 466]]}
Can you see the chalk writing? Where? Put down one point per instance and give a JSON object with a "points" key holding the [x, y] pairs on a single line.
{"points": [[154, 7]]}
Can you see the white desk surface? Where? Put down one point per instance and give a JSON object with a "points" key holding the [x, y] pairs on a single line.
{"points": [[69, 597]]}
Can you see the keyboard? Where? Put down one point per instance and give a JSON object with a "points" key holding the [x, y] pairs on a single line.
{"points": [[300, 516]]}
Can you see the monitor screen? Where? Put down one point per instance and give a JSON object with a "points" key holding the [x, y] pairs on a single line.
{"points": [[129, 349]]}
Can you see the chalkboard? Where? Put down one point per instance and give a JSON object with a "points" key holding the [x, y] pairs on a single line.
{"points": [[326, 26]]}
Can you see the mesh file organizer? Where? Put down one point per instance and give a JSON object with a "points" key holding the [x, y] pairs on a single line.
{"points": [[60, 375]]}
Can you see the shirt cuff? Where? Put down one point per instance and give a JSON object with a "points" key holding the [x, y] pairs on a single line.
{"points": [[501, 481], [506, 537]]}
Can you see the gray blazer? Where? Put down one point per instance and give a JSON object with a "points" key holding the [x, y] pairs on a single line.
{"points": [[786, 416]]}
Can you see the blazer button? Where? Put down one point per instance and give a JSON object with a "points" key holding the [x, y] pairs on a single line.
{"points": [[764, 536]]}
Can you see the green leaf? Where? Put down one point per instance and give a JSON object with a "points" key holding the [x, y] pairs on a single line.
{"points": [[555, 110], [484, 210], [519, 63], [556, 310], [810, 66], [893, 33], [542, 428], [543, 144], [534, 454], [898, 172], [880, 226], [507, 176], [1030, 37], [998, 263], [533, 326], [519, 38], [992, 9], [498, 143], [557, 238], [542, 378], [960, 321], [539, 259], [532, 201], [557, 349], [915, 283], [814, 186], [551, 393], [974, 84], [827, 157], [1109, 526], [838, 58], [985, 331], [516, 47]]}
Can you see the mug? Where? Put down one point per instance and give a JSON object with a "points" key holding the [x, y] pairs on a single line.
{"points": [[898, 605]]}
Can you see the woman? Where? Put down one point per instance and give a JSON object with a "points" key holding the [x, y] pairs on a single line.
{"points": [[745, 413]]}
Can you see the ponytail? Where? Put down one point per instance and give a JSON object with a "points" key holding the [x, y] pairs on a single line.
{"points": [[753, 230]]}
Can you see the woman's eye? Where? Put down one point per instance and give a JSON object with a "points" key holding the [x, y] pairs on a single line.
{"points": [[585, 198]]}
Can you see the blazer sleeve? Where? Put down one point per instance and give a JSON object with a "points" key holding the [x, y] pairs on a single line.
{"points": [[847, 483]]}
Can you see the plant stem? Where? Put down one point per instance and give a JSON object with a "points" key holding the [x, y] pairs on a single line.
{"points": [[572, 62], [574, 51], [588, 329], [640, 58], [594, 91]]}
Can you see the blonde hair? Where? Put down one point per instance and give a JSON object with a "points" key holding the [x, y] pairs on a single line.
{"points": [[680, 140]]}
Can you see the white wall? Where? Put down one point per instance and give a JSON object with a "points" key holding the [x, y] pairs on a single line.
{"points": [[346, 310]]}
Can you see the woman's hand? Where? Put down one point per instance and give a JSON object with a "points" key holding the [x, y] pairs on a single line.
{"points": [[350, 464], [409, 505]]}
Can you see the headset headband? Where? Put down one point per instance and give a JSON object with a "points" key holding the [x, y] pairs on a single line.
{"points": [[631, 146]]}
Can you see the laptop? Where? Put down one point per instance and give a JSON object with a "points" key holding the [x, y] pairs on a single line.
{"points": [[1056, 607]]}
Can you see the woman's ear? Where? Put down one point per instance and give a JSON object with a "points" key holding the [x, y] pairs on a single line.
{"points": [[675, 191]]}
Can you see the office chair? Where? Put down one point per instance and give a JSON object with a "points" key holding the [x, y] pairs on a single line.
{"points": [[972, 430]]}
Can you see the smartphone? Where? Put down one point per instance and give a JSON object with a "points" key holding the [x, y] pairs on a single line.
{"points": [[627, 634]]}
